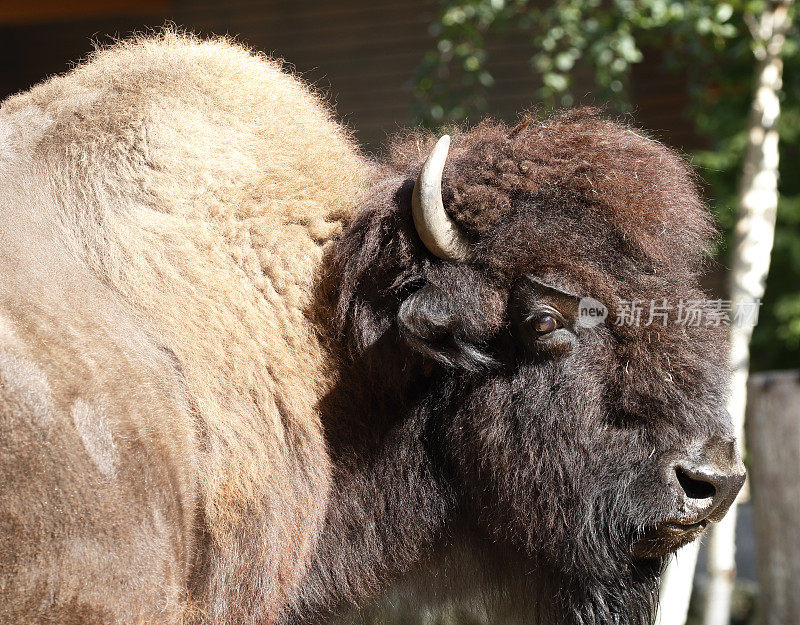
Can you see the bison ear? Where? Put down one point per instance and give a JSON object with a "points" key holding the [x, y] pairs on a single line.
{"points": [[430, 324]]}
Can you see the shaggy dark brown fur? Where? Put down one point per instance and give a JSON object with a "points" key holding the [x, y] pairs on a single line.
{"points": [[453, 417]]}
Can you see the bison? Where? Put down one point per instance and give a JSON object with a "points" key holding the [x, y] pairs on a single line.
{"points": [[250, 375]]}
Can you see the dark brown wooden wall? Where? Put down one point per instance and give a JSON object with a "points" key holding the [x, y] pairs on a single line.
{"points": [[362, 53]]}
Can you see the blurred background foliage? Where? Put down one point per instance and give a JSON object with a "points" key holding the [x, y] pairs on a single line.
{"points": [[710, 43]]}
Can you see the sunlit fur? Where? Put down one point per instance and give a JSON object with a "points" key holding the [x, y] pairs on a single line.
{"points": [[199, 184], [295, 404]]}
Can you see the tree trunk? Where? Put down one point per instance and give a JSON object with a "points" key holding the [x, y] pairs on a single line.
{"points": [[754, 234], [773, 441], [676, 586]]}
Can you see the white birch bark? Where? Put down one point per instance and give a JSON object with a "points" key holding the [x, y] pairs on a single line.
{"points": [[676, 586], [754, 234]]}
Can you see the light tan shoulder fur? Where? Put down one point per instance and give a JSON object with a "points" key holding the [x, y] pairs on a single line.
{"points": [[202, 183]]}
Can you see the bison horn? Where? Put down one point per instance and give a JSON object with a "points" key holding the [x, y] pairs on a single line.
{"points": [[440, 234]]}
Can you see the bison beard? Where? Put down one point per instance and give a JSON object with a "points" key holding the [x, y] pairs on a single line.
{"points": [[260, 398]]}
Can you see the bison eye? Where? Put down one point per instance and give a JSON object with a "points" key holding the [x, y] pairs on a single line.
{"points": [[544, 324]]}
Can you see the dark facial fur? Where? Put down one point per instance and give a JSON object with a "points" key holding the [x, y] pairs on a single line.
{"points": [[551, 447]]}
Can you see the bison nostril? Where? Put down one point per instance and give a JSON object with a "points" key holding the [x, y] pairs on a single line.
{"points": [[694, 486]]}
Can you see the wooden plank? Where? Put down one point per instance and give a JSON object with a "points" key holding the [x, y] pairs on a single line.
{"points": [[773, 443], [15, 12], [310, 10]]}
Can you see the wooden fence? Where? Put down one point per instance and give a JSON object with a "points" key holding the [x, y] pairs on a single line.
{"points": [[773, 444]]}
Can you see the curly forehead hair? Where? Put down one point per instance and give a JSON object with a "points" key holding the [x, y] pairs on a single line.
{"points": [[644, 190]]}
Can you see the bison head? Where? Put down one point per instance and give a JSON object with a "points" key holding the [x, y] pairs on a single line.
{"points": [[594, 446]]}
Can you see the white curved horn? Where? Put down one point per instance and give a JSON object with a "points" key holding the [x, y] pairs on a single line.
{"points": [[440, 234]]}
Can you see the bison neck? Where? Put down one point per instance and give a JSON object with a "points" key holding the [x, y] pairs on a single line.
{"points": [[390, 502]]}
